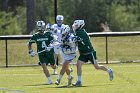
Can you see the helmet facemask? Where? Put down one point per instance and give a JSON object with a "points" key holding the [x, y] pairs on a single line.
{"points": [[59, 20], [40, 26], [65, 31], [78, 24]]}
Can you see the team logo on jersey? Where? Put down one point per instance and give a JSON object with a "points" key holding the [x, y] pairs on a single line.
{"points": [[42, 39]]}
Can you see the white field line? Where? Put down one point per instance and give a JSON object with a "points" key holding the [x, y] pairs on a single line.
{"points": [[10, 90]]}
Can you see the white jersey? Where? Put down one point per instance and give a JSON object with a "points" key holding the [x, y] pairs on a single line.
{"points": [[68, 45], [57, 31]]}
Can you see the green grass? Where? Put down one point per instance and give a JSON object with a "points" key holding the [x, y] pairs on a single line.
{"points": [[32, 80]]}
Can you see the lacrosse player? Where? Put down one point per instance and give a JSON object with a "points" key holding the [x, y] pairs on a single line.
{"points": [[43, 39], [87, 52], [68, 48], [57, 32]]}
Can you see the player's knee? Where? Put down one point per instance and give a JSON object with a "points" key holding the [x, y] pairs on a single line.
{"points": [[78, 65]]}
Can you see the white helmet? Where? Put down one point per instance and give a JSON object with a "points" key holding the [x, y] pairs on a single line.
{"points": [[79, 23], [59, 20], [40, 25], [59, 17], [49, 26], [65, 30]]}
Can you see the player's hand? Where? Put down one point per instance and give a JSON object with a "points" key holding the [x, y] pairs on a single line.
{"points": [[77, 39], [32, 53], [49, 48]]}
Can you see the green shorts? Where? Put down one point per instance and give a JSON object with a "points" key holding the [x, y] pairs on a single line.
{"points": [[47, 58], [88, 57]]}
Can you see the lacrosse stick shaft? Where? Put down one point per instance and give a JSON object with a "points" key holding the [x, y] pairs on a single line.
{"points": [[44, 50]]}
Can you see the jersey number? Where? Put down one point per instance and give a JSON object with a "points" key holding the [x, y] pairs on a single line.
{"points": [[44, 44]]}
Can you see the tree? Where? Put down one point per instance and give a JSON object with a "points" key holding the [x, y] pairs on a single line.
{"points": [[30, 15]]}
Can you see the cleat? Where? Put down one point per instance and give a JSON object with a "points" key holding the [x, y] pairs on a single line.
{"points": [[57, 82], [70, 80], [111, 75], [77, 84]]}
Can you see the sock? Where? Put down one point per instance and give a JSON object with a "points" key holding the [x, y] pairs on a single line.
{"points": [[60, 76], [79, 78], [49, 79], [108, 70], [55, 70]]}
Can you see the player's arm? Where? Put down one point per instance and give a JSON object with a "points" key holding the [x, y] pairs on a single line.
{"points": [[29, 44], [54, 40]]}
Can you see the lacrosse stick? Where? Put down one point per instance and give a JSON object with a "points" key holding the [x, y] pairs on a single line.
{"points": [[43, 50], [50, 47]]}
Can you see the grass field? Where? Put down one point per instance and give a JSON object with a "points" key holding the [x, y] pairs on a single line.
{"points": [[32, 80]]}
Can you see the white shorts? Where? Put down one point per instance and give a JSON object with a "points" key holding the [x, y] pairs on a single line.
{"points": [[68, 57], [57, 49]]}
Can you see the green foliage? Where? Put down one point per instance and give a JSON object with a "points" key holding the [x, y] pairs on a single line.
{"points": [[12, 25], [121, 15], [21, 19], [45, 10], [122, 19], [8, 23]]}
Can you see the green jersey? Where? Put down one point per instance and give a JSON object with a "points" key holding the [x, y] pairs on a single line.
{"points": [[85, 45], [42, 41]]}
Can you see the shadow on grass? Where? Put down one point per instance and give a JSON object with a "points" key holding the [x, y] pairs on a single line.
{"points": [[69, 86], [54, 74], [65, 86]]}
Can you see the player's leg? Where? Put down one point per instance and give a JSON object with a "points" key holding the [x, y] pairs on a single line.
{"points": [[62, 71], [68, 69], [56, 54], [101, 67], [56, 58], [92, 58], [55, 70], [44, 61], [46, 72], [79, 73], [82, 59], [68, 72]]}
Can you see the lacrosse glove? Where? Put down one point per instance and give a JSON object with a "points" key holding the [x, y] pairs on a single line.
{"points": [[32, 53]]}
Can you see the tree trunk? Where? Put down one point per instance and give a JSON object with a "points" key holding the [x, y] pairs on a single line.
{"points": [[30, 15]]}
